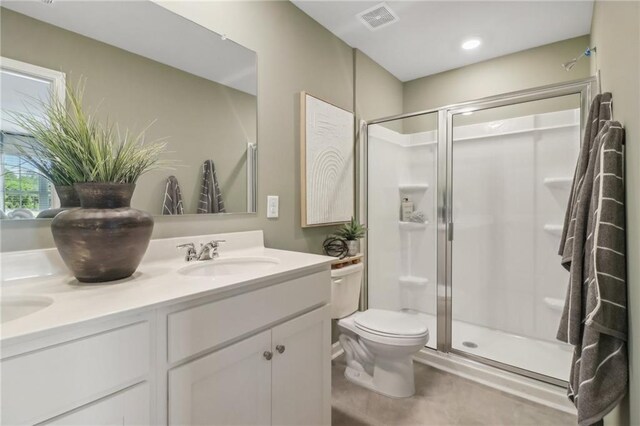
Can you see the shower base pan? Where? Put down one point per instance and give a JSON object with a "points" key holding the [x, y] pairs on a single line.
{"points": [[543, 357]]}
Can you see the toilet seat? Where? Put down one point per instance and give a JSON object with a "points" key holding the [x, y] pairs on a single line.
{"points": [[392, 323], [377, 336]]}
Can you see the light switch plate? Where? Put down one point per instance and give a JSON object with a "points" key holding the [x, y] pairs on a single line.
{"points": [[272, 206]]}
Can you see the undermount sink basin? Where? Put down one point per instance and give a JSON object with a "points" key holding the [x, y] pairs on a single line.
{"points": [[14, 307], [229, 266]]}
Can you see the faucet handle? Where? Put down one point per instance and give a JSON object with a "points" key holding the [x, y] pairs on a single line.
{"points": [[191, 251], [213, 246]]}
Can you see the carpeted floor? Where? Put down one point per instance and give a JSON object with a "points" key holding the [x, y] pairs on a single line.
{"points": [[441, 399]]}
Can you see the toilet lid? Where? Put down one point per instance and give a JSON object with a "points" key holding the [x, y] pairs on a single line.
{"points": [[392, 323]]}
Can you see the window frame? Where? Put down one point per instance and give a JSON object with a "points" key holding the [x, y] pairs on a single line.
{"points": [[56, 79]]}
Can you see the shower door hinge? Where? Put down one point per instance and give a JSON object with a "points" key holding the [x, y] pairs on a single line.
{"points": [[450, 231]]}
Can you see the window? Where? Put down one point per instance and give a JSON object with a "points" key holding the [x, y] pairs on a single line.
{"points": [[21, 186]]}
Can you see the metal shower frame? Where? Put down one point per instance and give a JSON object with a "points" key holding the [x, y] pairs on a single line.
{"points": [[586, 88]]}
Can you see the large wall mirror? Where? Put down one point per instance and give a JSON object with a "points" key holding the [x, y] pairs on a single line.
{"points": [[141, 65]]}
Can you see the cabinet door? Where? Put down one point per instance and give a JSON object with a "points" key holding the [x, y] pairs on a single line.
{"points": [[301, 373], [231, 386], [129, 407]]}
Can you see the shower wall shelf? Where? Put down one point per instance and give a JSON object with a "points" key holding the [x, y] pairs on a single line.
{"points": [[554, 229], [410, 280], [554, 304], [412, 226], [558, 182], [514, 132], [418, 145], [413, 187]]}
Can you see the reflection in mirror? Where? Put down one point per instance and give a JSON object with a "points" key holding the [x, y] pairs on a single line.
{"points": [[158, 71], [23, 192]]}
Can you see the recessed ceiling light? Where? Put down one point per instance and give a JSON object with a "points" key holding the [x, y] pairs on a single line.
{"points": [[471, 44]]}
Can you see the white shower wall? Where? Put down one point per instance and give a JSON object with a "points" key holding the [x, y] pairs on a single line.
{"points": [[402, 257], [511, 181], [510, 188]]}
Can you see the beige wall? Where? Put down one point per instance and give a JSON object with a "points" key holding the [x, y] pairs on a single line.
{"points": [[200, 119], [378, 93], [522, 70], [294, 53], [615, 32]]}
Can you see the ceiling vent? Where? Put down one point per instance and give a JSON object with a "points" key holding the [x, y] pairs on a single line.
{"points": [[378, 16]]}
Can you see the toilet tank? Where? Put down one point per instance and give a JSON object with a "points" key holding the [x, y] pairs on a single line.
{"points": [[345, 290]]}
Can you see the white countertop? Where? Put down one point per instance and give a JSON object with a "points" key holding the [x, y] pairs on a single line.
{"points": [[157, 282]]}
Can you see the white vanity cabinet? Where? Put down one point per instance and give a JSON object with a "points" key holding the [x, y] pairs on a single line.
{"points": [[259, 355], [129, 407], [228, 387], [279, 376], [171, 348], [301, 370], [69, 371]]}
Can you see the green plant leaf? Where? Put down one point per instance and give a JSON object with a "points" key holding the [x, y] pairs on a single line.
{"points": [[352, 230], [70, 146]]}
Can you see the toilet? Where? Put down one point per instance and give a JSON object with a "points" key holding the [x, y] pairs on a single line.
{"points": [[379, 344]]}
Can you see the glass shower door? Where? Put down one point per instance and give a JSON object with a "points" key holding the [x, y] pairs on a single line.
{"points": [[512, 168], [401, 248]]}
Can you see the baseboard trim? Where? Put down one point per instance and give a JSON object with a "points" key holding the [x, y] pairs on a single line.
{"points": [[336, 350], [523, 387]]}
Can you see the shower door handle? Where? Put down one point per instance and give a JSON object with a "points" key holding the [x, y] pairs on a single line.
{"points": [[450, 231]]}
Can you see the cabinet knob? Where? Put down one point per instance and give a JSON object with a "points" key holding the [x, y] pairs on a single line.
{"points": [[280, 348], [267, 355]]}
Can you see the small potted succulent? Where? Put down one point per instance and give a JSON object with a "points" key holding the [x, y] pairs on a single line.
{"points": [[352, 232], [105, 238]]}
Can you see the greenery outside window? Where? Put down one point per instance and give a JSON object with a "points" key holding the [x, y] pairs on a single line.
{"points": [[20, 186]]}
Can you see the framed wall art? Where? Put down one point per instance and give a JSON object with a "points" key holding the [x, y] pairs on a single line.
{"points": [[327, 162]]}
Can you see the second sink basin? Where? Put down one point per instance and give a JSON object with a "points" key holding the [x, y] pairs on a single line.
{"points": [[14, 307], [229, 266]]}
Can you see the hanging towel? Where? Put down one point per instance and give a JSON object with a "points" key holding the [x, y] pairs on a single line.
{"points": [[594, 318], [210, 195], [172, 203]]}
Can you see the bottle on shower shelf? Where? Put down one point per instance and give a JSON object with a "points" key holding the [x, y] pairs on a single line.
{"points": [[406, 208]]}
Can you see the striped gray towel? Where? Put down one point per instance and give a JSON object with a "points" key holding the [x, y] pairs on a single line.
{"points": [[172, 203], [210, 194], [594, 318]]}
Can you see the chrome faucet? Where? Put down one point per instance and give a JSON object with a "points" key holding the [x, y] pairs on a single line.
{"points": [[208, 251]]}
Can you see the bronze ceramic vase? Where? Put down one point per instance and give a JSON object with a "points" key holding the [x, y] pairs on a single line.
{"points": [[68, 200], [105, 239]]}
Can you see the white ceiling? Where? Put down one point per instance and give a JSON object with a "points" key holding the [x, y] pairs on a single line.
{"points": [[427, 38], [149, 30]]}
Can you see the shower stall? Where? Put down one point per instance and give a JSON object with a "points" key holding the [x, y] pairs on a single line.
{"points": [[488, 182]]}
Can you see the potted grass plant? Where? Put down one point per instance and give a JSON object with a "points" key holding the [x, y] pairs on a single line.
{"points": [[43, 150], [352, 232], [105, 238]]}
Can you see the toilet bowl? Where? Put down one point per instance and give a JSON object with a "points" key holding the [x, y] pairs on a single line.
{"points": [[379, 344], [379, 347]]}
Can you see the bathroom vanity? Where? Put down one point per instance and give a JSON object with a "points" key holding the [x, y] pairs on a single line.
{"points": [[232, 340]]}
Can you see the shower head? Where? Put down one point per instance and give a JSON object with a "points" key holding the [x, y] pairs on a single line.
{"points": [[572, 63]]}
